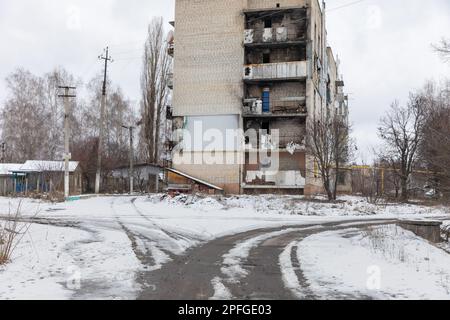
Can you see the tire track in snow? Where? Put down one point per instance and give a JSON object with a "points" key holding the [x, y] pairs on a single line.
{"points": [[244, 265], [249, 270], [292, 274], [197, 275], [146, 250], [175, 236], [291, 265]]}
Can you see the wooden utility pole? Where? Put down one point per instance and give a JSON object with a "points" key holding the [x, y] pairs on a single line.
{"points": [[131, 172], [107, 59], [67, 154]]}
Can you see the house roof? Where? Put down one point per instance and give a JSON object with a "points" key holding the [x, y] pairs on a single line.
{"points": [[139, 165], [46, 166], [7, 168], [209, 185]]}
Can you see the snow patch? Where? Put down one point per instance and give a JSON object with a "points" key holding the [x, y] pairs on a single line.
{"points": [[289, 276], [220, 291], [385, 262]]}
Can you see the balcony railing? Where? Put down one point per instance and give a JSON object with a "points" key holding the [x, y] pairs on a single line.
{"points": [[276, 71]]}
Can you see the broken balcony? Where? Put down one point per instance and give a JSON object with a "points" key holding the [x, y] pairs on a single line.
{"points": [[282, 107], [275, 27], [171, 49], [285, 142], [274, 180], [273, 37], [282, 71], [170, 81]]}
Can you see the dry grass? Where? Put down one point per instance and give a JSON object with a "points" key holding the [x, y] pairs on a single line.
{"points": [[382, 240], [12, 231]]}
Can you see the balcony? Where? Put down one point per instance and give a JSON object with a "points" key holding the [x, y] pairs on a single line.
{"points": [[274, 180], [169, 113], [171, 49], [273, 37], [283, 71], [283, 143], [282, 108], [251, 13]]}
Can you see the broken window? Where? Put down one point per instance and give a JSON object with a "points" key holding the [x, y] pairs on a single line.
{"points": [[265, 127], [266, 57], [329, 90], [268, 23]]}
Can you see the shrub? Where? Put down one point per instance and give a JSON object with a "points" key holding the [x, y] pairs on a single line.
{"points": [[12, 231]]}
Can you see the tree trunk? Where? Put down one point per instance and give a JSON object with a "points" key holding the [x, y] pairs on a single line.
{"points": [[327, 186], [404, 188]]}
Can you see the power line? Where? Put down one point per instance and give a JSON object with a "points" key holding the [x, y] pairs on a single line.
{"points": [[345, 5]]}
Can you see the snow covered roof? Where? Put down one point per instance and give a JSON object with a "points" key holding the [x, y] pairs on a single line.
{"points": [[6, 168], [49, 166]]}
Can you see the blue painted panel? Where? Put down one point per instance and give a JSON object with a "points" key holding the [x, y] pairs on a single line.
{"points": [[266, 101]]}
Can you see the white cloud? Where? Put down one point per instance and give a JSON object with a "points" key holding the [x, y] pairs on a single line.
{"points": [[385, 48]]}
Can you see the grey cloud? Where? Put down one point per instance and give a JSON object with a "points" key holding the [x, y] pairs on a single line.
{"points": [[382, 60]]}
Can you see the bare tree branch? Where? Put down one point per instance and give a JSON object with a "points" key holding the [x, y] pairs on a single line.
{"points": [[443, 49], [401, 130]]}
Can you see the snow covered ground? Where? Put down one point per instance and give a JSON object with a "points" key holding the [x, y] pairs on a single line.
{"points": [[96, 247], [384, 262]]}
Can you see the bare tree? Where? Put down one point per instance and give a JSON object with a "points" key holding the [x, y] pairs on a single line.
{"points": [[401, 131], [366, 182], [155, 93], [328, 142], [443, 48], [118, 113], [32, 117], [435, 149]]}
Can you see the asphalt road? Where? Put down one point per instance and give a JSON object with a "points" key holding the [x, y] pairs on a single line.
{"points": [[189, 277]]}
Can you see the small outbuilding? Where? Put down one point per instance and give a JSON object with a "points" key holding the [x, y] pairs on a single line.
{"points": [[47, 177], [147, 178], [181, 182], [7, 177]]}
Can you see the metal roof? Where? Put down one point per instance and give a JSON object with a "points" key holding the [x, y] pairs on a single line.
{"points": [[7, 168], [46, 166]]}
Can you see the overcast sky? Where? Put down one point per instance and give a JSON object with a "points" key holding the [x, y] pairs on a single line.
{"points": [[384, 45]]}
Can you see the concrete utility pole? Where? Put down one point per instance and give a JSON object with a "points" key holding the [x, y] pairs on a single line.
{"points": [[3, 145], [107, 59], [131, 172], [67, 154]]}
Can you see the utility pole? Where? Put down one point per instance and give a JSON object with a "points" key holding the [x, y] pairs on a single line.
{"points": [[131, 172], [67, 154], [3, 145], [107, 59]]}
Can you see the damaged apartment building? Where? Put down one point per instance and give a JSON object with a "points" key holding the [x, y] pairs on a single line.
{"points": [[258, 65]]}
